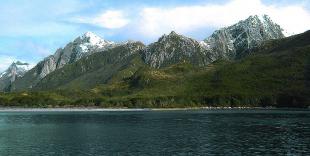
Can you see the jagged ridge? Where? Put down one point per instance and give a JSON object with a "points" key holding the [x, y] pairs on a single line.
{"points": [[235, 41], [175, 48], [228, 43], [82, 46]]}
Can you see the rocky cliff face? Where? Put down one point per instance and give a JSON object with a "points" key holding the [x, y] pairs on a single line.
{"points": [[15, 70], [235, 41], [95, 69], [232, 42], [175, 48], [82, 46]]}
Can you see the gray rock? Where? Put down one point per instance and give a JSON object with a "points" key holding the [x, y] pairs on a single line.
{"points": [[230, 43], [15, 70], [175, 48], [82, 46], [235, 41]]}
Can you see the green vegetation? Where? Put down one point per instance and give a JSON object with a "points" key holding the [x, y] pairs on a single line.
{"points": [[276, 74]]}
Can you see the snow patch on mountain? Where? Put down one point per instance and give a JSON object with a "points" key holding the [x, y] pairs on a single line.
{"points": [[90, 41], [16, 69], [82, 46]]}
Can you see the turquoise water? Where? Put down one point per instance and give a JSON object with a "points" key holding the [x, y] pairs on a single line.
{"points": [[200, 132]]}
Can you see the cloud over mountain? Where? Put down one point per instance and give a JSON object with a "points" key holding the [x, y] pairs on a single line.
{"points": [[111, 19], [158, 20]]}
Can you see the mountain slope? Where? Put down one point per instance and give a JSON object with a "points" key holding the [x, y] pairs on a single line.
{"points": [[275, 74], [95, 69], [174, 48], [235, 41], [83, 46], [15, 70]]}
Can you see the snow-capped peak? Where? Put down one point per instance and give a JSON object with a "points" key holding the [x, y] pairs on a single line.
{"points": [[16, 69], [19, 67], [171, 37], [89, 41], [90, 34], [93, 39], [263, 18]]}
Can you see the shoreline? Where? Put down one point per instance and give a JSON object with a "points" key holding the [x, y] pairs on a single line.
{"points": [[94, 109]]}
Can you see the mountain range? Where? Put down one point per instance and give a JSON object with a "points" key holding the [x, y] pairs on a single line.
{"points": [[248, 63]]}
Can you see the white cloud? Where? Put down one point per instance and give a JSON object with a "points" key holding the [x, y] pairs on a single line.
{"points": [[156, 21], [6, 61], [38, 18], [110, 19]]}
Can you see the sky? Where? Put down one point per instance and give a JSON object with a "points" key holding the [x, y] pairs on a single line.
{"points": [[31, 30]]}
